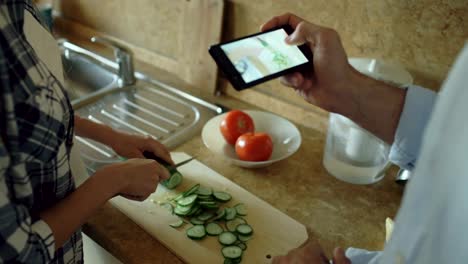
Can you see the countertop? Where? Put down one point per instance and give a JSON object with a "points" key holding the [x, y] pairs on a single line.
{"points": [[338, 213]]}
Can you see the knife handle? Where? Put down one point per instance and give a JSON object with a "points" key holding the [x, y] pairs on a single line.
{"points": [[150, 155]]}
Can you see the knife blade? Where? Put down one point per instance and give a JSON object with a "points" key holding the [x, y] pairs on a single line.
{"points": [[150, 155]]}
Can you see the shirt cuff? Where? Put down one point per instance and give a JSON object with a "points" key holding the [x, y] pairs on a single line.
{"points": [[43, 230], [413, 120]]}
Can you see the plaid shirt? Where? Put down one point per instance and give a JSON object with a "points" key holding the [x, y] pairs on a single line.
{"points": [[36, 133]]}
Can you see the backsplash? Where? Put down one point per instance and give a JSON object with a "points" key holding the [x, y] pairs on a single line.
{"points": [[425, 36]]}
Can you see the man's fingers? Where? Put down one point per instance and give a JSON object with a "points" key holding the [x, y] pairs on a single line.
{"points": [[285, 19], [292, 80], [339, 257]]}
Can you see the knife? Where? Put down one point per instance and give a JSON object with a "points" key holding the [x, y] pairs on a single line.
{"points": [[150, 155]]}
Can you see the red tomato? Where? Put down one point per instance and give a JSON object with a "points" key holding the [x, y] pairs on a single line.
{"points": [[254, 147], [234, 124]]}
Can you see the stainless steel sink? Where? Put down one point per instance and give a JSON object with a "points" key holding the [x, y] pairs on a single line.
{"points": [[148, 108]]}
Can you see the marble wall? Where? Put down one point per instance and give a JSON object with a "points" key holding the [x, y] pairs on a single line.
{"points": [[425, 36]]}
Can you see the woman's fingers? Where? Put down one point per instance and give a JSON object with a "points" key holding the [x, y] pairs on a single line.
{"points": [[159, 150]]}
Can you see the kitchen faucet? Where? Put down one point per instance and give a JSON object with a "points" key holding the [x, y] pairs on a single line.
{"points": [[123, 57]]}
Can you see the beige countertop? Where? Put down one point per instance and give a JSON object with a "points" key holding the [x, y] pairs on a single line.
{"points": [[340, 214]]}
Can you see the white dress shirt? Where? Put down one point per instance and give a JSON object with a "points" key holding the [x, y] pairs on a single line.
{"points": [[432, 140]]}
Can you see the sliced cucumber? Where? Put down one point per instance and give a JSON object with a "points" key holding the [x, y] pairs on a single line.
{"points": [[177, 224], [232, 261], [227, 238], [173, 181], [213, 229], [241, 209], [195, 210], [196, 232], [178, 197], [207, 198], [232, 252], [219, 215], [205, 216], [182, 210], [189, 200], [243, 238], [196, 221], [209, 205], [192, 190], [222, 196], [168, 207], [232, 224], [244, 229], [204, 191], [230, 213], [242, 245]]}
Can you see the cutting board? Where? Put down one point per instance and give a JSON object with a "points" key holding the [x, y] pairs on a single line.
{"points": [[275, 233]]}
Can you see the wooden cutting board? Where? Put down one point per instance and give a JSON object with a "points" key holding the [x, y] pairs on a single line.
{"points": [[275, 233]]}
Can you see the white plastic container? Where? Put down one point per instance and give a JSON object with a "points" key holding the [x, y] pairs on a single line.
{"points": [[351, 153]]}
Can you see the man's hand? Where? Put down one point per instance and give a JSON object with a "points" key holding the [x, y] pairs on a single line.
{"points": [[310, 252], [327, 83], [334, 85]]}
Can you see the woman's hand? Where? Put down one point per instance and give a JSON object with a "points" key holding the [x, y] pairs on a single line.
{"points": [[133, 146], [134, 179], [124, 144]]}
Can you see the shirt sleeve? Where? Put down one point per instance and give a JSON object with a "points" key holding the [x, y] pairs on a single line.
{"points": [[21, 240], [413, 120]]}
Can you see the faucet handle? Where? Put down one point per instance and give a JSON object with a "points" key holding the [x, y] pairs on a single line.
{"points": [[124, 59]]}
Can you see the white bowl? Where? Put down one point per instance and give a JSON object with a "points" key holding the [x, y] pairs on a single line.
{"points": [[284, 134]]}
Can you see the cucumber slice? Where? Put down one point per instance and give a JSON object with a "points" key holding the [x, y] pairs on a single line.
{"points": [[230, 213], [204, 191], [221, 213], [232, 261], [241, 209], [196, 221], [222, 196], [182, 210], [177, 224], [168, 207], [242, 245], [178, 197], [173, 181], [227, 238], [205, 216], [195, 210], [192, 190], [189, 200], [243, 238], [209, 205], [232, 252], [196, 232], [213, 229], [244, 229], [232, 224], [207, 198]]}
